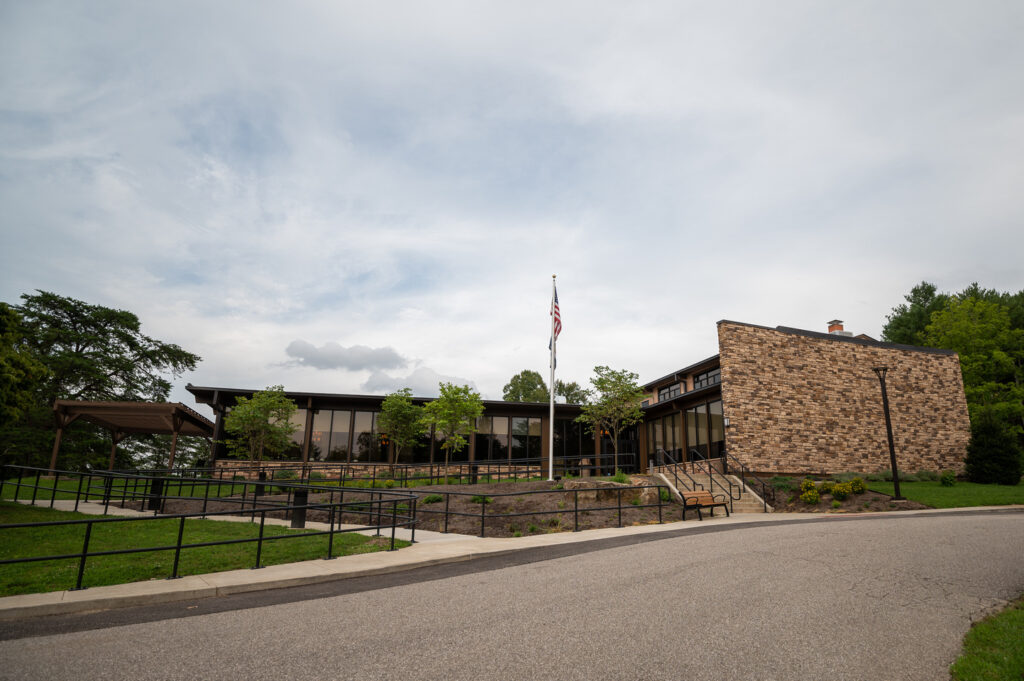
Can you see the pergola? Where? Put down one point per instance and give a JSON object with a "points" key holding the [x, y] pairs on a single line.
{"points": [[131, 418]]}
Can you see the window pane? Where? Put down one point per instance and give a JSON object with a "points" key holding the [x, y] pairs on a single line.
{"points": [[340, 436], [364, 443], [499, 446], [533, 440], [294, 449], [520, 429]]}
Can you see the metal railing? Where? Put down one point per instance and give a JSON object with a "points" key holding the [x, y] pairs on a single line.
{"points": [[748, 479], [380, 510], [484, 501], [706, 467], [673, 465]]}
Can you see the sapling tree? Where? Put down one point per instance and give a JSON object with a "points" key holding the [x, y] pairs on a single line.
{"points": [[261, 425], [454, 414], [616, 404], [401, 420]]}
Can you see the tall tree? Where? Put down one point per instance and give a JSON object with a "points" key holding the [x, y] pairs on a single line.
{"points": [[572, 392], [616, 404], [98, 353], [453, 414], [87, 352], [261, 425], [20, 373], [401, 420], [907, 322], [526, 386]]}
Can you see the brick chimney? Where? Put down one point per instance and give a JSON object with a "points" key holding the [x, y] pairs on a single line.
{"points": [[835, 327]]}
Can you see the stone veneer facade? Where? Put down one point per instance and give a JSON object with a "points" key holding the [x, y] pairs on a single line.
{"points": [[805, 402]]}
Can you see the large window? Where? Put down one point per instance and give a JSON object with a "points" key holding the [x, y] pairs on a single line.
{"points": [[294, 449], [320, 438], [705, 431], [525, 438], [341, 429], [365, 447]]}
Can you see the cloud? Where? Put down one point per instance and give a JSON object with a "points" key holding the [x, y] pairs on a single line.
{"points": [[335, 356], [423, 382]]}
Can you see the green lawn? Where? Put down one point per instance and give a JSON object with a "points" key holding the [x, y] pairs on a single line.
{"points": [[68, 487], [993, 648], [961, 494], [55, 575]]}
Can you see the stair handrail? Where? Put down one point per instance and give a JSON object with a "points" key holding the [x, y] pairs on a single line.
{"points": [[663, 455], [745, 473], [699, 461]]}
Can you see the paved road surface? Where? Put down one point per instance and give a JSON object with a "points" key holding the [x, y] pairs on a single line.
{"points": [[877, 598]]}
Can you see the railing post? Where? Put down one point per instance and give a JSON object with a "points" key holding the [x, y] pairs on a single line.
{"points": [[576, 510], [85, 552], [660, 504], [35, 488], [619, 496], [177, 548], [259, 541], [330, 533], [53, 493], [483, 511], [447, 496], [394, 519], [412, 521]]}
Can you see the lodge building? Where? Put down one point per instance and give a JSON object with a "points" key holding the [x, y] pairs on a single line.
{"points": [[778, 400]]}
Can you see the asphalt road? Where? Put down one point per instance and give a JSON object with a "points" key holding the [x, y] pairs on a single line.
{"points": [[878, 598]]}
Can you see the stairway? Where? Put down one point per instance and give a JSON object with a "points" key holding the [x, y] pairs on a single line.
{"points": [[748, 502]]}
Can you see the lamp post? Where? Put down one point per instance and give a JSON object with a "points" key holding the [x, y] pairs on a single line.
{"points": [[880, 372]]}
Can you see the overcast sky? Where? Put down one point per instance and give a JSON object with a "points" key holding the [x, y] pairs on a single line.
{"points": [[355, 197]]}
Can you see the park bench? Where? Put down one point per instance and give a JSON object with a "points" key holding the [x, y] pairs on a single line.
{"points": [[702, 499]]}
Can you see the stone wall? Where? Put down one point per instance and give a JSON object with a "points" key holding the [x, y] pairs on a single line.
{"points": [[800, 402]]}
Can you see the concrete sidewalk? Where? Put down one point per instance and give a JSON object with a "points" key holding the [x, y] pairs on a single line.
{"points": [[432, 548]]}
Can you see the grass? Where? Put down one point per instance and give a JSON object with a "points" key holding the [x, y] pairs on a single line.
{"points": [[992, 648], [961, 494], [54, 575], [68, 488]]}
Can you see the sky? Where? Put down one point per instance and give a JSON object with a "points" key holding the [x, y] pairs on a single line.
{"points": [[358, 197]]}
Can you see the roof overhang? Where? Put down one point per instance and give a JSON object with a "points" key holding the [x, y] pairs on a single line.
{"points": [[158, 418]]}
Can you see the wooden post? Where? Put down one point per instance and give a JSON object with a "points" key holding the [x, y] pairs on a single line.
{"points": [[308, 435], [176, 428], [63, 420], [115, 437]]}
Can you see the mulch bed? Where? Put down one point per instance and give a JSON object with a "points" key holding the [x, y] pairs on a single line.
{"points": [[867, 502]]}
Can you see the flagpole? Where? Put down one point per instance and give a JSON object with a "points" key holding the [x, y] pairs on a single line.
{"points": [[551, 414]]}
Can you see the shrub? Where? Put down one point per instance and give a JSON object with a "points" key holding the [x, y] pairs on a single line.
{"points": [[532, 528], [236, 476], [432, 498], [841, 490], [927, 476], [880, 476], [807, 485], [857, 486], [620, 477], [947, 479], [517, 533], [810, 496], [664, 494], [480, 499], [554, 521], [826, 487], [317, 475], [389, 484], [285, 474], [782, 483], [993, 454], [635, 501], [908, 477], [836, 504]]}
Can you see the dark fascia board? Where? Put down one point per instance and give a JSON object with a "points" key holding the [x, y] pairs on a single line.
{"points": [[843, 339], [205, 395], [680, 372], [685, 397]]}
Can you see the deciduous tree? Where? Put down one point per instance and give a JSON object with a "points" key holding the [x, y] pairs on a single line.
{"points": [[616, 404], [572, 392], [401, 420], [526, 386], [454, 414], [261, 425]]}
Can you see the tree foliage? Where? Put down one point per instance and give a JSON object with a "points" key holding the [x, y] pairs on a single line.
{"points": [[986, 329], [454, 414], [401, 420], [20, 372], [98, 353], [261, 425], [994, 455], [87, 352], [572, 392], [526, 386], [615, 405]]}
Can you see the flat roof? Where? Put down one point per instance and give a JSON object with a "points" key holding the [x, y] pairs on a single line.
{"points": [[684, 370], [156, 418], [870, 342]]}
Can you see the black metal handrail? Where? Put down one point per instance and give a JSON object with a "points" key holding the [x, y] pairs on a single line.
{"points": [[381, 509], [676, 470], [746, 474], [484, 500], [699, 462]]}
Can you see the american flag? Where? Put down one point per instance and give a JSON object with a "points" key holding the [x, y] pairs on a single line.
{"points": [[557, 314]]}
